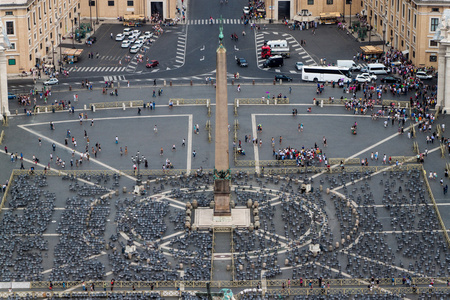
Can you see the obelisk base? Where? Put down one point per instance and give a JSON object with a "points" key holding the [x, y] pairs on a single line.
{"points": [[222, 205]]}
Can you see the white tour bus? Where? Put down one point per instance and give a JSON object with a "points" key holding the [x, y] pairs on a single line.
{"points": [[323, 74]]}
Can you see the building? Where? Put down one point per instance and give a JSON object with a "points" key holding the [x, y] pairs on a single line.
{"points": [[278, 10], [113, 9], [34, 27], [408, 25]]}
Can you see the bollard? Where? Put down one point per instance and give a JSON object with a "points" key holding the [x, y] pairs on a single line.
{"points": [[191, 82], [253, 82], [281, 81], [112, 85], [164, 82], [123, 106], [37, 110], [232, 82], [321, 103], [17, 112], [93, 108], [276, 101], [207, 103], [131, 104], [118, 84], [170, 83], [85, 107], [268, 101], [178, 102], [46, 109], [274, 82], [237, 103]]}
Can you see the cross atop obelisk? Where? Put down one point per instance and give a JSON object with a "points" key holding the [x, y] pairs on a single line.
{"points": [[222, 175]]}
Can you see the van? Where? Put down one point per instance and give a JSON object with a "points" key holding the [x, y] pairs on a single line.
{"points": [[274, 61], [127, 31], [378, 69], [349, 64]]}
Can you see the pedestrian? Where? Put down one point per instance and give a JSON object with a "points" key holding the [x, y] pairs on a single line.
{"points": [[112, 35], [161, 151], [183, 143], [155, 129], [40, 141], [324, 141], [104, 286], [97, 55], [281, 139], [154, 82], [128, 83], [117, 139], [112, 284], [194, 153], [6, 150], [445, 189]]}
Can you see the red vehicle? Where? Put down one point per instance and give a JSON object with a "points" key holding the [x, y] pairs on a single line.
{"points": [[152, 64], [265, 51]]}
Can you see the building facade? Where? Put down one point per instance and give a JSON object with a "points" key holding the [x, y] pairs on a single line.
{"points": [[408, 25], [279, 9], [113, 9], [35, 28]]}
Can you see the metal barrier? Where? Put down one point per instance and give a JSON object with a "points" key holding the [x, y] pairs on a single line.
{"points": [[438, 215], [388, 102], [2, 136], [5, 120], [181, 101], [261, 100], [5, 194], [134, 103], [348, 161], [442, 147], [416, 148]]}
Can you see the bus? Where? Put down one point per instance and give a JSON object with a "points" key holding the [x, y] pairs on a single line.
{"points": [[329, 18], [323, 74]]}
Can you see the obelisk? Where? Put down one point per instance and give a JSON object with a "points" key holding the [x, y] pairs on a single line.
{"points": [[222, 176]]}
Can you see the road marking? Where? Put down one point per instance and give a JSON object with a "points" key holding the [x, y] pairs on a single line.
{"points": [[189, 145], [255, 147]]}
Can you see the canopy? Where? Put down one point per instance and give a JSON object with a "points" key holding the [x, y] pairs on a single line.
{"points": [[371, 50], [73, 52], [304, 18], [330, 15]]}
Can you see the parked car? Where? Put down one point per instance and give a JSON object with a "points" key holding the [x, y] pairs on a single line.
{"points": [[423, 75], [148, 34], [139, 42], [391, 79], [142, 38], [11, 96], [282, 77], [131, 38], [136, 33], [51, 81], [366, 77], [126, 44], [152, 64], [242, 62], [299, 66], [120, 37], [135, 48]]}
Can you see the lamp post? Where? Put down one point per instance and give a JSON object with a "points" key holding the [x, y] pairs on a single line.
{"points": [[90, 12], [384, 38], [96, 11], [53, 55], [391, 41], [137, 160], [73, 37], [370, 28], [351, 16], [79, 21]]}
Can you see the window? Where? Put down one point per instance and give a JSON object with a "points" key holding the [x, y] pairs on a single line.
{"points": [[398, 5], [414, 39], [435, 9], [414, 54], [403, 28], [91, 3], [39, 13], [45, 9], [9, 27], [13, 46], [12, 61], [9, 13], [348, 1], [329, 2], [49, 4], [29, 25], [131, 2], [433, 43], [310, 2], [414, 20], [111, 3], [434, 24], [403, 10], [433, 58], [409, 14], [34, 18]]}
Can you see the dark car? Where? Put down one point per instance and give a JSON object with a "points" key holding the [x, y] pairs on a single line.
{"points": [[11, 96], [92, 39], [282, 77], [391, 79], [242, 62], [152, 64]]}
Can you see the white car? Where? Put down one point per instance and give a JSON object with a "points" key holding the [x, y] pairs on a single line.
{"points": [[148, 34], [246, 10], [423, 75], [120, 37], [366, 77], [139, 42], [142, 38], [126, 44], [51, 81], [299, 66], [136, 33], [135, 48]]}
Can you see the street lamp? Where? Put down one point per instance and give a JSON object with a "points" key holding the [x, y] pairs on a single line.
{"points": [[370, 28], [73, 37], [90, 12], [351, 16], [53, 54], [138, 160], [79, 21], [384, 38], [391, 41], [96, 11]]}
